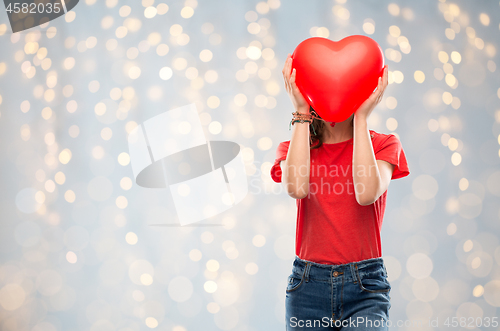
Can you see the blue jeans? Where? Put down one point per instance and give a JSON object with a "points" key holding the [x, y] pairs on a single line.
{"points": [[352, 296]]}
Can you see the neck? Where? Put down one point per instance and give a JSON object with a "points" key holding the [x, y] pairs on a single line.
{"points": [[342, 131]]}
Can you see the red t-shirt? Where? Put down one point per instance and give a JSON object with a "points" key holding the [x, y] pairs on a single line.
{"points": [[332, 228]]}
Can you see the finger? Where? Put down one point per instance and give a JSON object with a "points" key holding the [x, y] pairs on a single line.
{"points": [[377, 91], [286, 73], [285, 65], [381, 96], [383, 77], [289, 68], [383, 91], [284, 78], [289, 72], [291, 85], [293, 80], [286, 82], [292, 77], [380, 88], [385, 83], [288, 76]]}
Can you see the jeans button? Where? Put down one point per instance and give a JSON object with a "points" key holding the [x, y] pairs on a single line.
{"points": [[335, 273]]}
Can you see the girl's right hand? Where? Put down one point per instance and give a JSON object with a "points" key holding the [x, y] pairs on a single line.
{"points": [[298, 100]]}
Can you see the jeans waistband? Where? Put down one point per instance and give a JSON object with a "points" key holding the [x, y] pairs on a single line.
{"points": [[350, 271]]}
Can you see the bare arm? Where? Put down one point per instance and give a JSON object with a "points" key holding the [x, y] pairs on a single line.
{"points": [[295, 169], [371, 177]]}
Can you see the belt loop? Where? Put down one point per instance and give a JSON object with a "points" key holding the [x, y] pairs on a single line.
{"points": [[306, 271], [353, 272]]}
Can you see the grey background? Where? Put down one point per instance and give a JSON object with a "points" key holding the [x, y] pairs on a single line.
{"points": [[101, 291]]}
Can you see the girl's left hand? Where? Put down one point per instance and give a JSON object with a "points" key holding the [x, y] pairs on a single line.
{"points": [[366, 107]]}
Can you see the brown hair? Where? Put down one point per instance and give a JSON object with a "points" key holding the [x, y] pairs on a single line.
{"points": [[318, 127]]}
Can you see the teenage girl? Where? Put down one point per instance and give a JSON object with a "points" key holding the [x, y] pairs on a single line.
{"points": [[339, 174]]}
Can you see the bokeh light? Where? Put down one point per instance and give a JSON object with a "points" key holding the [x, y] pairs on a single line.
{"points": [[84, 247]]}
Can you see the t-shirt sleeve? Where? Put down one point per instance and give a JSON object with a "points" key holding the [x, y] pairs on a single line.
{"points": [[281, 153], [391, 150]]}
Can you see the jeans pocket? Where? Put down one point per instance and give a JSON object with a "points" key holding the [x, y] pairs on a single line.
{"points": [[375, 282], [294, 282]]}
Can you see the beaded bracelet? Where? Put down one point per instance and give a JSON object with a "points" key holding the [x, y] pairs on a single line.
{"points": [[302, 118]]}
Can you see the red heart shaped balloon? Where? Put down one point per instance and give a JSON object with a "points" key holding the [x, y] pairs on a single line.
{"points": [[336, 77]]}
